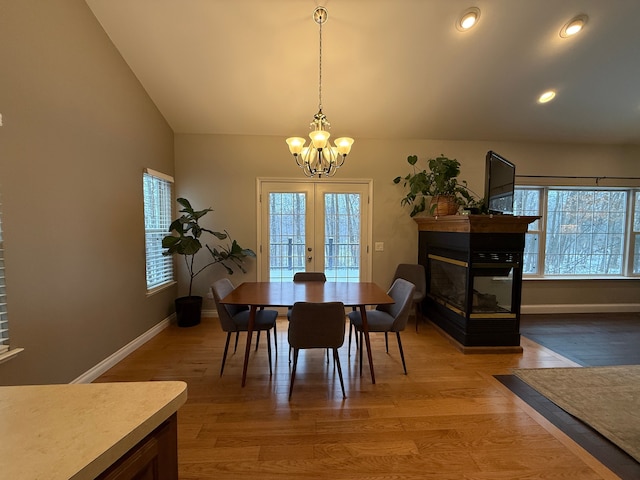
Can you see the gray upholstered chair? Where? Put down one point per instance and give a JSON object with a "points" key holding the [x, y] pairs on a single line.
{"points": [[235, 318], [316, 325], [387, 318], [309, 277], [414, 273]]}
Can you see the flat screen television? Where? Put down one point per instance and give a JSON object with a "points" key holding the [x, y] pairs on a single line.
{"points": [[499, 184]]}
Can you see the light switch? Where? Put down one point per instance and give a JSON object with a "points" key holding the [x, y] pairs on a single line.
{"points": [[379, 246]]}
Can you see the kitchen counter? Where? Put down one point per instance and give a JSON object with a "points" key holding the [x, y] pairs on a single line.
{"points": [[78, 431]]}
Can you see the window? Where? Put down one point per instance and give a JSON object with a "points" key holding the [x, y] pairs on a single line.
{"points": [[157, 218], [4, 321], [527, 202], [582, 232], [635, 236]]}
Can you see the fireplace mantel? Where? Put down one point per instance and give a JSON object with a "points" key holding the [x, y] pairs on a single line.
{"points": [[475, 223]]}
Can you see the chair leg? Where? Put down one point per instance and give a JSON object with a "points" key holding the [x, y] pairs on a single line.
{"points": [[351, 330], [269, 351], [236, 345], [257, 340], [293, 371], [354, 309], [224, 355], [401, 352], [360, 350], [275, 337], [336, 361], [386, 341], [327, 356]]}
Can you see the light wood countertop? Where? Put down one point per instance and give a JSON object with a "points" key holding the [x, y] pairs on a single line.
{"points": [[77, 431]]}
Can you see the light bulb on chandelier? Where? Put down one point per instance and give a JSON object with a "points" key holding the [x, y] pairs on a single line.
{"points": [[320, 158]]}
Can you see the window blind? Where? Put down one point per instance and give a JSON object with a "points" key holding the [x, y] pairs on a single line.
{"points": [[4, 321], [158, 200]]}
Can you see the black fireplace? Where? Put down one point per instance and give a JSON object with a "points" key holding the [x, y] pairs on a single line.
{"points": [[474, 285]]}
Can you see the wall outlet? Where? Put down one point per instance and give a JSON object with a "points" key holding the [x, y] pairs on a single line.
{"points": [[379, 246], [210, 295]]}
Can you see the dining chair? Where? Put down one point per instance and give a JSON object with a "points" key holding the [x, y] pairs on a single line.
{"points": [[386, 318], [316, 325], [307, 277], [235, 318], [414, 273]]}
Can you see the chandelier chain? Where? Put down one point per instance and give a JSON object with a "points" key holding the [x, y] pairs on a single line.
{"points": [[320, 68]]}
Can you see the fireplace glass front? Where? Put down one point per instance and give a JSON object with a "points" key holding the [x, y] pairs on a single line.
{"points": [[491, 285]]}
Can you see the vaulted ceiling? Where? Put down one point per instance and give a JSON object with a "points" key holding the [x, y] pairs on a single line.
{"points": [[391, 69]]}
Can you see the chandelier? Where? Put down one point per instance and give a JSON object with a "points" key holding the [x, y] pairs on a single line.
{"points": [[320, 158]]}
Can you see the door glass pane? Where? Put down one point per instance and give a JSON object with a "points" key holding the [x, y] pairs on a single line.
{"points": [[342, 237], [286, 235]]}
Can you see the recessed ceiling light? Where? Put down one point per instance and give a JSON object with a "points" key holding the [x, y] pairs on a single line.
{"points": [[468, 19], [573, 26], [547, 96]]}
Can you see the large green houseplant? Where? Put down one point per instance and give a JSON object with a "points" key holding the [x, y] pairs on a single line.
{"points": [[439, 184], [185, 240]]}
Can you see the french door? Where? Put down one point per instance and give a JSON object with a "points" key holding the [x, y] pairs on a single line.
{"points": [[321, 226]]}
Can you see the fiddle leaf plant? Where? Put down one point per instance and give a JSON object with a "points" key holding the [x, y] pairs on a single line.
{"points": [[441, 179], [185, 240]]}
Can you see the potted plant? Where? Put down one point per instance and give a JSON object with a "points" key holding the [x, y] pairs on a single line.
{"points": [[184, 240], [440, 183]]}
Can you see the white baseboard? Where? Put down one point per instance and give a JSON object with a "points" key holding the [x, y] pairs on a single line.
{"points": [[571, 308], [93, 373]]}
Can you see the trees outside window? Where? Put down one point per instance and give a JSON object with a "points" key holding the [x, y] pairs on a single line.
{"points": [[585, 231]]}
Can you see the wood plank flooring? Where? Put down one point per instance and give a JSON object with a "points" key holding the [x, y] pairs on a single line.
{"points": [[592, 339], [449, 418]]}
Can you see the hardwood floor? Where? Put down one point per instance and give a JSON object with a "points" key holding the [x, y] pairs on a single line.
{"points": [[589, 339], [449, 418]]}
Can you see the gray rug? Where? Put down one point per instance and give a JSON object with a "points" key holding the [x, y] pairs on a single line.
{"points": [[606, 398]]}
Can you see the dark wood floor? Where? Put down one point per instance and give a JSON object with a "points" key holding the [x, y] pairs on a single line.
{"points": [[588, 340]]}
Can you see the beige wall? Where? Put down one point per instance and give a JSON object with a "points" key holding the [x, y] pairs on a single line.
{"points": [[78, 130], [221, 171]]}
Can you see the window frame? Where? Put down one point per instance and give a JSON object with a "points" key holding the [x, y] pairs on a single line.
{"points": [[4, 317], [7, 351], [633, 237], [167, 268], [630, 235]]}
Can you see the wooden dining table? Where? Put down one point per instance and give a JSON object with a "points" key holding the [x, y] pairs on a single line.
{"points": [[285, 294]]}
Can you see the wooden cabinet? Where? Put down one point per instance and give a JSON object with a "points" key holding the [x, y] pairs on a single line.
{"points": [[474, 277], [154, 458]]}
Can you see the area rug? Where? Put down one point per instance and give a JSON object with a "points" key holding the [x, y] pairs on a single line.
{"points": [[605, 398]]}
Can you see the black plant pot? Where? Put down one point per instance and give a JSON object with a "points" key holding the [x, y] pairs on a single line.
{"points": [[188, 311]]}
